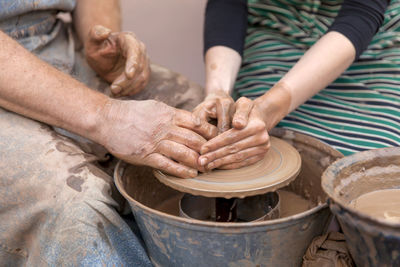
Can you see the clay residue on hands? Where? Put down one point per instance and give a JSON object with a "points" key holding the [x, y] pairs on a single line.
{"points": [[154, 134], [248, 140], [217, 105], [240, 146], [275, 104], [119, 58]]}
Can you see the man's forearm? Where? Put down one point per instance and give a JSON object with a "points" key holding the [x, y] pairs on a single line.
{"points": [[31, 87], [89, 13]]}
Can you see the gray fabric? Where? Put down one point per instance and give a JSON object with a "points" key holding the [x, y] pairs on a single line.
{"points": [[33, 23], [57, 206], [12, 8]]}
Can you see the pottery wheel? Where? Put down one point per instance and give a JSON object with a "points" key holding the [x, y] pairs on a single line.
{"points": [[280, 166]]}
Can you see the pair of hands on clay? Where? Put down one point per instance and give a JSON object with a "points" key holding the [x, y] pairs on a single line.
{"points": [[243, 137], [175, 141], [247, 139], [142, 132], [154, 134]]}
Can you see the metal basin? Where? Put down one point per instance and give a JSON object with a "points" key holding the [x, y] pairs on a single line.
{"points": [[175, 241], [371, 242]]}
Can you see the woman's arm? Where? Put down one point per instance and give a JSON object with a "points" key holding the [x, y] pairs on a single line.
{"points": [[320, 65], [248, 140], [222, 64], [224, 33]]}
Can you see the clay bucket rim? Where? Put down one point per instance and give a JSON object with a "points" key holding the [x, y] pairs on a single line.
{"points": [[182, 222], [329, 174]]}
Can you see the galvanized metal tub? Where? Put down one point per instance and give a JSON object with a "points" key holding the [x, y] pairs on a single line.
{"points": [[175, 241], [372, 242]]}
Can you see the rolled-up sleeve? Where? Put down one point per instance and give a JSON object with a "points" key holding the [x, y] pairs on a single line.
{"points": [[225, 24], [359, 21]]}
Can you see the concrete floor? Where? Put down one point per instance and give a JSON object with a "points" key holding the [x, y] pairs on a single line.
{"points": [[172, 31]]}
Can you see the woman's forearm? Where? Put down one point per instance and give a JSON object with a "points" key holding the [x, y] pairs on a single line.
{"points": [[320, 65], [222, 65], [89, 13], [31, 87]]}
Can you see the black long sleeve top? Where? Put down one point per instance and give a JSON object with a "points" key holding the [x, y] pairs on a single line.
{"points": [[226, 22]]}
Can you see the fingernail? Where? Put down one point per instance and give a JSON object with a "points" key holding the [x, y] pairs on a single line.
{"points": [[203, 161], [238, 122], [131, 71], [100, 31], [193, 173], [115, 89], [210, 166], [204, 150]]}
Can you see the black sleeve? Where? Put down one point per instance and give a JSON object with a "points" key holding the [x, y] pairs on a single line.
{"points": [[225, 24], [359, 20]]}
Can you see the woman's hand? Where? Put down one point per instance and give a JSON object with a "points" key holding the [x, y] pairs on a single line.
{"points": [[248, 140], [244, 144], [217, 105], [119, 58]]}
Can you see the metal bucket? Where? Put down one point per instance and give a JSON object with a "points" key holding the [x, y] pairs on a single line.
{"points": [[372, 242], [175, 241]]}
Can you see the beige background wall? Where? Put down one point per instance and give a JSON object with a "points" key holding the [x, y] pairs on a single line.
{"points": [[172, 31]]}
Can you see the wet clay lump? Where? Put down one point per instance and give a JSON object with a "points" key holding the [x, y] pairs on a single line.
{"points": [[382, 204]]}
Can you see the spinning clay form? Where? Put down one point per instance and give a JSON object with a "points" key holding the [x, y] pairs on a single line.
{"points": [[280, 166]]}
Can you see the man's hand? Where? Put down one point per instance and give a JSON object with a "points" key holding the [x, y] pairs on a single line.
{"points": [[217, 105], [119, 58], [154, 134], [244, 144]]}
